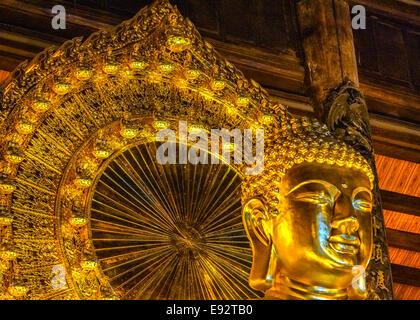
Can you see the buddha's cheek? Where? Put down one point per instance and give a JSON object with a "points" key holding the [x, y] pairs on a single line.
{"points": [[293, 240], [310, 227]]}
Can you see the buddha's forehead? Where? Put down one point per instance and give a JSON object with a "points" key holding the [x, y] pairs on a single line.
{"points": [[333, 174]]}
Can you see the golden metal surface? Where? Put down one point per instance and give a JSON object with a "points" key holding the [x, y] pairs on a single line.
{"points": [[72, 116], [308, 216], [320, 231], [156, 228]]}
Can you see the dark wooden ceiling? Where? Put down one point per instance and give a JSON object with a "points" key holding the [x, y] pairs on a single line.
{"points": [[261, 37]]}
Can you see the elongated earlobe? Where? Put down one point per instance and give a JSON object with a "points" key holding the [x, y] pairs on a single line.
{"points": [[255, 219]]}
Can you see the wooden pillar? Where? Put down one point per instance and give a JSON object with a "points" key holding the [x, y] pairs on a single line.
{"points": [[333, 86]]}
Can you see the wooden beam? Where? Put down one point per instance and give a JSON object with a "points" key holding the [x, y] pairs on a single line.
{"points": [[403, 240], [271, 70], [328, 47], [391, 100], [396, 151], [405, 275], [395, 138], [400, 202]]}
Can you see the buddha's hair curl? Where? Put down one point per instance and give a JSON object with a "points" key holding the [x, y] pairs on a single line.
{"points": [[294, 141]]}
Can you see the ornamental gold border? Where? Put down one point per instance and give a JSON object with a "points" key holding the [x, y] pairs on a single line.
{"points": [[156, 48], [84, 273]]}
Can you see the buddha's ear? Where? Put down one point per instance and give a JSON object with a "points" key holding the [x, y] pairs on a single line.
{"points": [[256, 221]]}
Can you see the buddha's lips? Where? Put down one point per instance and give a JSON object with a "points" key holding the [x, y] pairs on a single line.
{"points": [[345, 243]]}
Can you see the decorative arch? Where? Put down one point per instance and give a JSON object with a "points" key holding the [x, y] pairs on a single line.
{"points": [[70, 110]]}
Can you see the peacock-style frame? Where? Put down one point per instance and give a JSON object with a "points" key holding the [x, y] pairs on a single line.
{"points": [[72, 109]]}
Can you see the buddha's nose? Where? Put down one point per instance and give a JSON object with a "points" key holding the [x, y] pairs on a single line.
{"points": [[347, 225], [344, 219]]}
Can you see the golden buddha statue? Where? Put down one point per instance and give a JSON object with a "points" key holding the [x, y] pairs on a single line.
{"points": [[310, 228]]}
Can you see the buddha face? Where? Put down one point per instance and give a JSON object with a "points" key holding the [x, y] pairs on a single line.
{"points": [[323, 228]]}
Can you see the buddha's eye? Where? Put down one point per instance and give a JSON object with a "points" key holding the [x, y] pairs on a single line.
{"points": [[362, 205], [312, 197], [362, 200], [314, 191]]}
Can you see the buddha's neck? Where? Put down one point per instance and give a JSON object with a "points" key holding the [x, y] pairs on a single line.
{"points": [[288, 289]]}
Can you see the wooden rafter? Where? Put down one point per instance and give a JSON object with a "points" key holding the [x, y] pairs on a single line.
{"points": [[405, 275], [400, 202], [403, 240]]}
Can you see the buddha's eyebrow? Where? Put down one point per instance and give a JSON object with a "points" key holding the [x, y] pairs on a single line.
{"points": [[326, 184]]}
